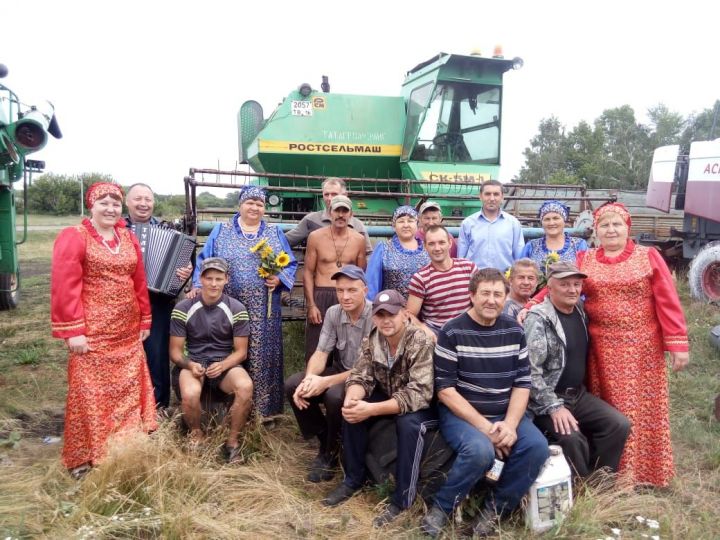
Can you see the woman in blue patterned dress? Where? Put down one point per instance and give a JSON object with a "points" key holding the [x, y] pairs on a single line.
{"points": [[232, 241], [553, 216], [394, 262]]}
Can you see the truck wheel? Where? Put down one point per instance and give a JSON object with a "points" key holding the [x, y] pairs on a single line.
{"points": [[704, 274], [9, 291]]}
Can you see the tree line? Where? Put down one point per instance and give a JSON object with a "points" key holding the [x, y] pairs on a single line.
{"points": [[59, 195], [615, 151]]}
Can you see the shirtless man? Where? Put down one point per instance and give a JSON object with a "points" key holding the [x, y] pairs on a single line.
{"points": [[328, 250]]}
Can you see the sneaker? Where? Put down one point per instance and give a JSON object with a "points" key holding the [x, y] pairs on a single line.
{"points": [[434, 522], [389, 515], [339, 495], [486, 524], [233, 454], [322, 469]]}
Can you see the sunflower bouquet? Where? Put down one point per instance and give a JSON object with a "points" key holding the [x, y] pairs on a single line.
{"points": [[270, 265], [551, 258]]}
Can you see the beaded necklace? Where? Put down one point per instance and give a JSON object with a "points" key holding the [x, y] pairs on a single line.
{"points": [[248, 235], [105, 243]]}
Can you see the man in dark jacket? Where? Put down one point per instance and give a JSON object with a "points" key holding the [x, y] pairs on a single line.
{"points": [[591, 432], [140, 202], [392, 378]]}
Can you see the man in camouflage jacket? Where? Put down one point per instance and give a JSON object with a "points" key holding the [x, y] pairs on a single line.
{"points": [[591, 432], [393, 377]]}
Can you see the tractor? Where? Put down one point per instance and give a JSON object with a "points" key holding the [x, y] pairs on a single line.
{"points": [[23, 131]]}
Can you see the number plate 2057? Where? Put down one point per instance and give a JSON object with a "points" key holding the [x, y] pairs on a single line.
{"points": [[301, 108]]}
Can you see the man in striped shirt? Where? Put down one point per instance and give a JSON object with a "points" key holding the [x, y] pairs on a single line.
{"points": [[438, 291], [215, 328], [482, 379]]}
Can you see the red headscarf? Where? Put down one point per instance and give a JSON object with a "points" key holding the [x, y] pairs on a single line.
{"points": [[616, 207], [101, 189]]}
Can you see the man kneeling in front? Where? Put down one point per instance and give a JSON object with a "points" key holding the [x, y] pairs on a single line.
{"points": [[215, 328], [393, 377]]}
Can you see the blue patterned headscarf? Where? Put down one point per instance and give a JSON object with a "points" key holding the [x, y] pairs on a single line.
{"points": [[251, 192], [554, 206], [404, 211]]}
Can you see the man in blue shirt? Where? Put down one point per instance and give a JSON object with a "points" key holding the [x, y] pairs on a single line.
{"points": [[491, 238], [482, 380]]}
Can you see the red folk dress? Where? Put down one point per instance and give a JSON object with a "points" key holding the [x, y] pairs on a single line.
{"points": [[102, 295], [635, 315]]}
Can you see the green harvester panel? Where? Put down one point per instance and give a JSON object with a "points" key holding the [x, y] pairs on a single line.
{"points": [[332, 135]]}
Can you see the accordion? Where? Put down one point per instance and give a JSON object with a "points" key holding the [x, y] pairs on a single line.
{"points": [[164, 251]]}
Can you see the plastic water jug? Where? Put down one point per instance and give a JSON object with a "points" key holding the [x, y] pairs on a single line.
{"points": [[550, 497]]}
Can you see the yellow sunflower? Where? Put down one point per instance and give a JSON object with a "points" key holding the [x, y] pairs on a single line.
{"points": [[266, 252], [263, 273], [258, 246], [282, 260], [507, 274], [553, 256]]}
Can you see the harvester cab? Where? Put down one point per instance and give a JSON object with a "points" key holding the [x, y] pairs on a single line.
{"points": [[23, 131], [454, 106], [439, 139]]}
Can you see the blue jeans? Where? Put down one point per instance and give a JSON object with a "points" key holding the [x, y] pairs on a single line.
{"points": [[475, 455]]}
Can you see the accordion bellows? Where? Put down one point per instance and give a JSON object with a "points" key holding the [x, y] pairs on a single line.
{"points": [[164, 251]]}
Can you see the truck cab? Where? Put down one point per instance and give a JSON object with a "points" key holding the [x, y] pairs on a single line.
{"points": [[695, 178]]}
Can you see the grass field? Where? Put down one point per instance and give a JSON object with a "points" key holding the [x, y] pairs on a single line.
{"points": [[154, 487], [49, 221]]}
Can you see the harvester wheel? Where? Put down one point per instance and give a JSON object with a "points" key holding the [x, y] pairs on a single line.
{"points": [[704, 274], [9, 291]]}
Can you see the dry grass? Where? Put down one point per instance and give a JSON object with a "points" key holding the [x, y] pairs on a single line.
{"points": [[154, 487]]}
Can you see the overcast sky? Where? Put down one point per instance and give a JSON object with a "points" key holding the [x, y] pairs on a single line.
{"points": [[146, 90]]}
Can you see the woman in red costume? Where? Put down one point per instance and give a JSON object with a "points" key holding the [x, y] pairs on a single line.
{"points": [[635, 316], [100, 307]]}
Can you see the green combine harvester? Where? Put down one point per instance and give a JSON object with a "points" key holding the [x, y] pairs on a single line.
{"points": [[23, 130], [444, 130], [439, 140]]}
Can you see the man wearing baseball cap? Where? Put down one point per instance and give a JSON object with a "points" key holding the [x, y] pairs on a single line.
{"points": [[328, 250], [215, 329], [393, 377], [323, 381], [591, 432], [430, 214], [331, 187]]}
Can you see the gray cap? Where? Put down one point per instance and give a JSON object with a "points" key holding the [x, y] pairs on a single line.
{"points": [[429, 205], [388, 300], [214, 263], [563, 269], [350, 271], [340, 201]]}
